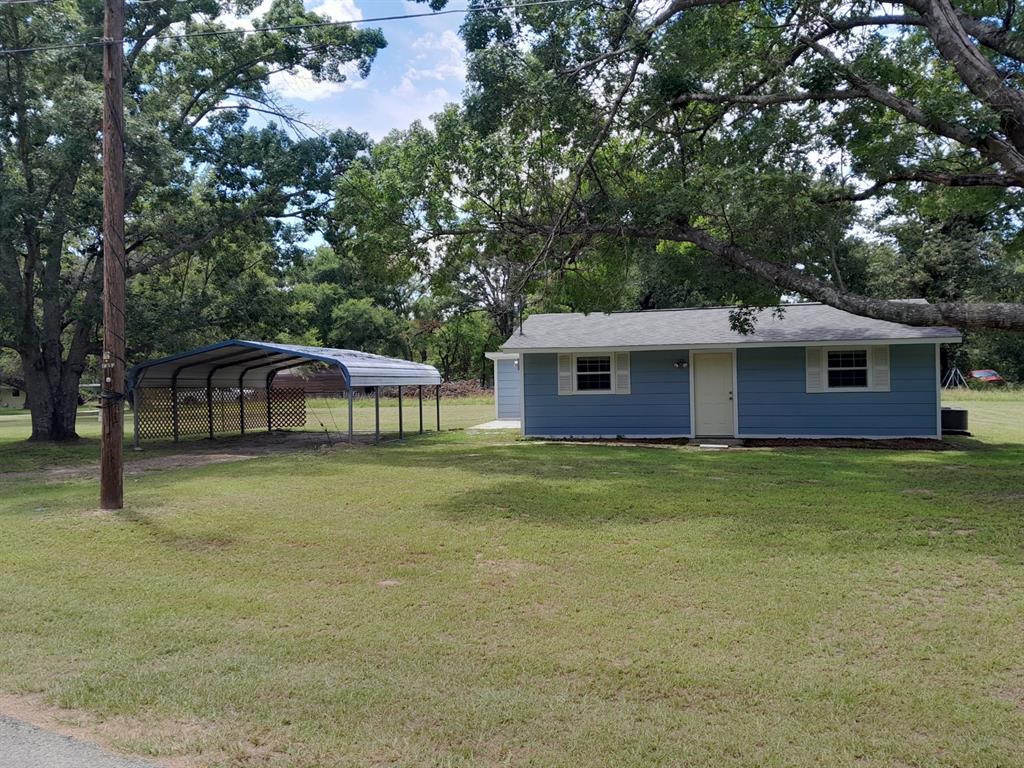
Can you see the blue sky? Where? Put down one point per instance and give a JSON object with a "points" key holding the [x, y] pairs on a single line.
{"points": [[420, 71]]}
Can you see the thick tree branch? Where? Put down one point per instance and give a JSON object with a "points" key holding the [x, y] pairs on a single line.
{"points": [[1002, 316], [999, 39], [1005, 316], [993, 147], [976, 71], [273, 112], [767, 99], [941, 178]]}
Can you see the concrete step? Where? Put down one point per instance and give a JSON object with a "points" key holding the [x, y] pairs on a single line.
{"points": [[719, 444]]}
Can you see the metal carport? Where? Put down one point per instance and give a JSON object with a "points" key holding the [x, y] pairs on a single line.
{"points": [[237, 371]]}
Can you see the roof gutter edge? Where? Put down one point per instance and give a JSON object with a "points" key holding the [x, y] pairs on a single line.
{"points": [[953, 339]]}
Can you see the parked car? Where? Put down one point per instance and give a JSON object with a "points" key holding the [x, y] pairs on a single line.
{"points": [[988, 376]]}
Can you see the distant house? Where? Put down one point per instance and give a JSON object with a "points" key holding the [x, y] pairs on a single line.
{"points": [[12, 395], [815, 372]]}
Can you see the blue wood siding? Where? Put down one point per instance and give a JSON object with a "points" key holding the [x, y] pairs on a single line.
{"points": [[658, 403], [773, 398], [506, 389]]}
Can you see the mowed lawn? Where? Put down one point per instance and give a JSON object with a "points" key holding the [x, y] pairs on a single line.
{"points": [[477, 600], [322, 415]]}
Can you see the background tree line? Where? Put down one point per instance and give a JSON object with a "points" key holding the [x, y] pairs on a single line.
{"points": [[607, 154]]}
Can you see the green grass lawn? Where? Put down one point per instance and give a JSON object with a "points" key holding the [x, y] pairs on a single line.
{"points": [[476, 600], [330, 415]]}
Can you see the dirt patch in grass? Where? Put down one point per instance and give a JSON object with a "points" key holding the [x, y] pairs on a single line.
{"points": [[178, 738], [1013, 695], [195, 454], [511, 567], [164, 742]]}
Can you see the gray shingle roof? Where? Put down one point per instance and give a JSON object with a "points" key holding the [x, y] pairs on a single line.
{"points": [[684, 328]]}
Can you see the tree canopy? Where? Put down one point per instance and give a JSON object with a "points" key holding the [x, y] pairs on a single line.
{"points": [[213, 192], [750, 129]]}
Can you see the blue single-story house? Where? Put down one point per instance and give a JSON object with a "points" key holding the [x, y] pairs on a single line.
{"points": [[813, 372]]}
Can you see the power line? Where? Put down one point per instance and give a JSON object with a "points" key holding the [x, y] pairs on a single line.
{"points": [[282, 28]]}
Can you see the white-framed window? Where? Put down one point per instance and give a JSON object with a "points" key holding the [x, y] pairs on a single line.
{"points": [[847, 369], [593, 373]]}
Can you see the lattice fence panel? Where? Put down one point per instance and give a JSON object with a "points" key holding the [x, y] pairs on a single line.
{"points": [[255, 410], [192, 418], [155, 411], [225, 410], [289, 407]]}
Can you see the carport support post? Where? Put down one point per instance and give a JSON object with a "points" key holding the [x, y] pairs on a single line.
{"points": [[209, 407], [241, 402], [136, 411], [350, 413], [270, 415], [437, 404], [376, 414], [401, 428], [421, 408], [174, 408]]}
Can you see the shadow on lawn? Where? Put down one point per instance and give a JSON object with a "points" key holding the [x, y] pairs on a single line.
{"points": [[601, 461], [846, 499], [171, 537]]}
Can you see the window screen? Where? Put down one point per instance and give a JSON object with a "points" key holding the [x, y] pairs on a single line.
{"points": [[594, 374], [847, 368]]}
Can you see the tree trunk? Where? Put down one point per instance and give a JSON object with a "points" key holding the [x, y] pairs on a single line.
{"points": [[52, 399]]}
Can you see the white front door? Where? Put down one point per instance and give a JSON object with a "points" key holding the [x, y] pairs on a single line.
{"points": [[712, 394]]}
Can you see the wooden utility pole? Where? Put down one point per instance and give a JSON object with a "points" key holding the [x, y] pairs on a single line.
{"points": [[112, 386]]}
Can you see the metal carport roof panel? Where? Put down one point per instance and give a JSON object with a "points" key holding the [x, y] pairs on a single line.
{"points": [[221, 365]]}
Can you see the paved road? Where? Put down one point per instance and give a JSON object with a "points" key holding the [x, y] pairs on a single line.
{"points": [[25, 746]]}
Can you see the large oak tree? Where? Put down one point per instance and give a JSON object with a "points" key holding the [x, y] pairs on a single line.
{"points": [[749, 129], [203, 161]]}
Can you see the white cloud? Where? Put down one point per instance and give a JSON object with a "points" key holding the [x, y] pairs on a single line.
{"points": [[338, 10], [438, 57], [335, 10], [391, 112], [435, 58], [413, 79], [378, 112], [410, 6], [446, 41], [300, 85], [245, 22]]}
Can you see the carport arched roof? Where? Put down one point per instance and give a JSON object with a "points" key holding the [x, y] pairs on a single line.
{"points": [[252, 364]]}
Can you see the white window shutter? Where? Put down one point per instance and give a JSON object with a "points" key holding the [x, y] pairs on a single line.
{"points": [[815, 369], [565, 374], [622, 373], [879, 361]]}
